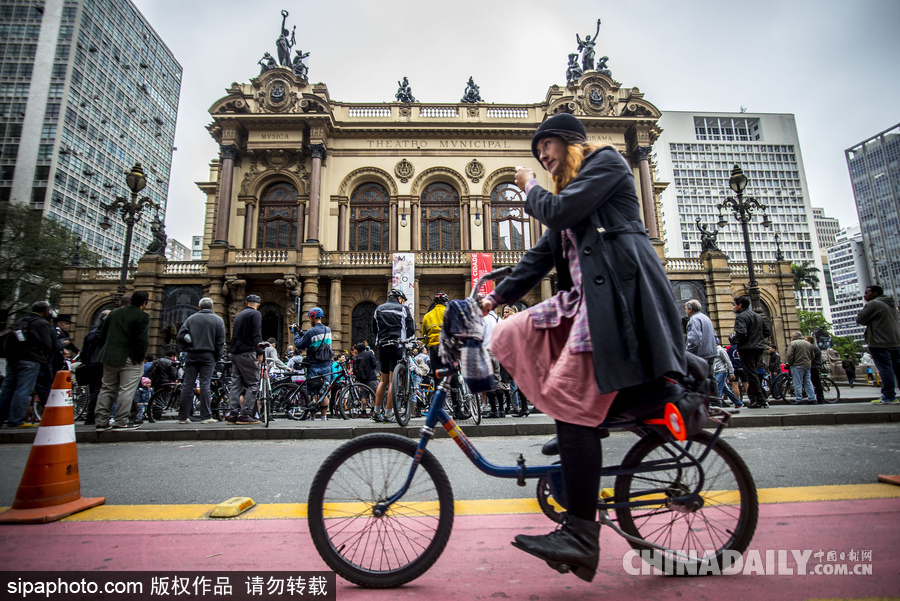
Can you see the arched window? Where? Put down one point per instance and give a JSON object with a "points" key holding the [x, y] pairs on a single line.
{"points": [[510, 229], [369, 218], [277, 217], [440, 218]]}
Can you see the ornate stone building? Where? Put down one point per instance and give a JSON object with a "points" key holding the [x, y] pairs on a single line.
{"points": [[309, 197]]}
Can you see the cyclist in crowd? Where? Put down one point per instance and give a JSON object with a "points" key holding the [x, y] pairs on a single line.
{"points": [[799, 357], [276, 365], [246, 357], [392, 321], [431, 330], [774, 362], [815, 373], [724, 372], [317, 341], [364, 367], [203, 336], [613, 290], [750, 334]]}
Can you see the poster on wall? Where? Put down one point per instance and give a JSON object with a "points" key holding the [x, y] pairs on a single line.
{"points": [[403, 277], [482, 263]]}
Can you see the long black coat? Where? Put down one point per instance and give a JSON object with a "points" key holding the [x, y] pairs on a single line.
{"points": [[635, 328]]}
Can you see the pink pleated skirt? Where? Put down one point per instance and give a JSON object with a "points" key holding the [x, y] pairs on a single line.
{"points": [[559, 383]]}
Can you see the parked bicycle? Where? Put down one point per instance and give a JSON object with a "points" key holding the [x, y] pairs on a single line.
{"points": [[381, 506], [830, 392]]}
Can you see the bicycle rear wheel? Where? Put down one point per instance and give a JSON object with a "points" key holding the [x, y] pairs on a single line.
{"points": [[401, 387], [475, 407], [163, 404], [721, 517], [388, 550], [353, 399], [830, 391], [264, 400]]}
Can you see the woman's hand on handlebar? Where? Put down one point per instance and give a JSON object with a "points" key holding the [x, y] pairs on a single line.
{"points": [[487, 305]]}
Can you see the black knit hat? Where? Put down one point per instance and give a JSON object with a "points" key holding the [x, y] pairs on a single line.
{"points": [[563, 126]]}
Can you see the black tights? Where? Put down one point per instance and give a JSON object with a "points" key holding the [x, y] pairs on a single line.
{"points": [[581, 456]]}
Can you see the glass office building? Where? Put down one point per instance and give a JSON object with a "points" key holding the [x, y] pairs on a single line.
{"points": [[87, 89], [875, 174]]}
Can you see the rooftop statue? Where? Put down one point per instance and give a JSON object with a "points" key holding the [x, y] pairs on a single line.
{"points": [[283, 43], [707, 238], [404, 94], [266, 62], [471, 94], [573, 70], [586, 47], [158, 244], [300, 69]]}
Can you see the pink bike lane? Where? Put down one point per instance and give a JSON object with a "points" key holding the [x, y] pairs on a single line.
{"points": [[479, 562]]}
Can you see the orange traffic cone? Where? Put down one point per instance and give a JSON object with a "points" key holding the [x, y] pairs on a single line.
{"points": [[50, 488]]}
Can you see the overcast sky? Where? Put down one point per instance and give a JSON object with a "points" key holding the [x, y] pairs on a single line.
{"points": [[833, 64]]}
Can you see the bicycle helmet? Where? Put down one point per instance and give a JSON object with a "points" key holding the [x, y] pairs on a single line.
{"points": [[397, 293], [441, 298], [316, 313]]}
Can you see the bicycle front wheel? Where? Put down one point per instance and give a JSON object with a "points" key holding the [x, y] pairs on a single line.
{"points": [[401, 389], [353, 399], [163, 405], [475, 407], [721, 517], [830, 391], [391, 549]]}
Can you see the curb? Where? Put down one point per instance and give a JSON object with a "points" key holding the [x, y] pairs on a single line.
{"points": [[295, 431]]}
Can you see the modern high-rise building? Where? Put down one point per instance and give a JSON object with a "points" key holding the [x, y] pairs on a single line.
{"points": [[176, 251], [875, 174], [695, 154], [850, 274], [827, 229], [87, 89], [196, 248]]}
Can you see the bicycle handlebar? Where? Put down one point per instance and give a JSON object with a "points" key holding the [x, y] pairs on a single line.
{"points": [[493, 275]]}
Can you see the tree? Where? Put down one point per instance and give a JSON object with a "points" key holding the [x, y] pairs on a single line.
{"points": [[845, 345], [810, 321], [33, 252], [805, 274]]}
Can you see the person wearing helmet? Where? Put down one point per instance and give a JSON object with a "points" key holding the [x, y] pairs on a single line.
{"points": [[392, 321], [431, 330], [317, 342]]}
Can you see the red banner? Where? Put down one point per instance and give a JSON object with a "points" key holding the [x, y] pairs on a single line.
{"points": [[482, 263]]}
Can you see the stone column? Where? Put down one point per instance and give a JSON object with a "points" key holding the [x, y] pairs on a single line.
{"points": [[642, 156], [230, 154], [334, 312], [486, 226], [301, 218], [248, 223], [310, 294], [394, 235], [343, 225], [318, 153], [465, 222], [415, 222]]}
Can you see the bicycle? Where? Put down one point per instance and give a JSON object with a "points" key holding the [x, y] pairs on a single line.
{"points": [[830, 392], [380, 507], [402, 393]]}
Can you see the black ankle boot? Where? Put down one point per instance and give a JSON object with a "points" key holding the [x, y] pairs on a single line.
{"points": [[575, 547]]}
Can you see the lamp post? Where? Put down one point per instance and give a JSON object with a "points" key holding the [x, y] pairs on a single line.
{"points": [[130, 211], [743, 209]]}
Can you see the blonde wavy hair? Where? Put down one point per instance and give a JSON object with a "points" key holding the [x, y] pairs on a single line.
{"points": [[576, 153]]}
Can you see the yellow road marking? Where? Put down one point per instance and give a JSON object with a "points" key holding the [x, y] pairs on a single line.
{"points": [[275, 511]]}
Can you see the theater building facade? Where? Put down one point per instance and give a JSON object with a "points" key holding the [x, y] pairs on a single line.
{"points": [[311, 198]]}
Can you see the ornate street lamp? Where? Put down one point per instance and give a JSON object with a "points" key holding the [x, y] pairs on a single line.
{"points": [[743, 209], [130, 212]]}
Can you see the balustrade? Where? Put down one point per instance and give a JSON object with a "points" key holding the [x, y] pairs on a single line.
{"points": [[374, 111], [439, 111], [507, 113]]}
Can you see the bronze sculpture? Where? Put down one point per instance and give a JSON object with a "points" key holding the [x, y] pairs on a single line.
{"points": [[707, 238], [266, 62], [404, 94], [586, 47], [573, 70], [471, 94], [283, 43], [299, 68]]}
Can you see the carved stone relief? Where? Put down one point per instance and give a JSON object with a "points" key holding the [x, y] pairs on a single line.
{"points": [[404, 170], [475, 171]]}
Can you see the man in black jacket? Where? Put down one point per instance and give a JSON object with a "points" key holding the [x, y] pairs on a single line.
{"points": [[90, 373], [750, 334], [364, 367], [36, 343], [245, 359], [203, 336]]}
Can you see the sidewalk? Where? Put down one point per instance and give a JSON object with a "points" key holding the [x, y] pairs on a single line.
{"points": [[853, 408]]}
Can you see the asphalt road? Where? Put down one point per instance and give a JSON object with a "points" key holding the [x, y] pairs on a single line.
{"points": [[280, 471]]}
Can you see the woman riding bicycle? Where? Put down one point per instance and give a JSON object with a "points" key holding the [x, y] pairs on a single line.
{"points": [[614, 317]]}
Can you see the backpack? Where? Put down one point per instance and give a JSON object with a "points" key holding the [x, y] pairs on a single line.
{"points": [[324, 352], [12, 339]]}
